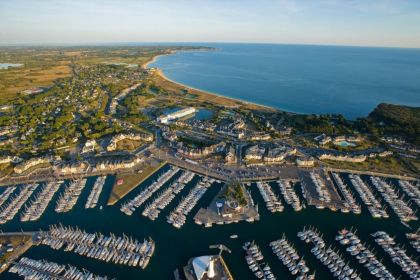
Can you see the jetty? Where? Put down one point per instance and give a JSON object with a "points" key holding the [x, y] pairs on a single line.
{"points": [[129, 207], [93, 197], [35, 208], [122, 250], [328, 256], [42, 269], [373, 204], [66, 201], [286, 252], [178, 217], [8, 211], [364, 255]]}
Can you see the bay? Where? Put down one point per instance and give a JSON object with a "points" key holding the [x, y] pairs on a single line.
{"points": [[309, 79]]}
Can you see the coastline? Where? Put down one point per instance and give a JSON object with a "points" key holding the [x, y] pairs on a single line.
{"points": [[210, 96]]}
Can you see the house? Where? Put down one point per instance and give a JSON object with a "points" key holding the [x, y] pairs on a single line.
{"points": [[254, 153], [89, 146], [347, 158], [305, 162], [5, 159], [276, 154], [231, 155], [133, 137], [22, 167], [71, 168], [323, 139], [260, 137]]}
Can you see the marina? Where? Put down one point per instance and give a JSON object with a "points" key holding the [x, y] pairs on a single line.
{"points": [[95, 193], [398, 254], [119, 250], [348, 196], [172, 250], [129, 207], [71, 194], [8, 211], [152, 211], [400, 207], [41, 269], [34, 209], [289, 194], [414, 239], [272, 202], [6, 194], [178, 216], [373, 204], [290, 258], [413, 191], [358, 250], [254, 259], [321, 188], [328, 256]]}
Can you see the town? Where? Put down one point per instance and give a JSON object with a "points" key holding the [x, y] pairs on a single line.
{"points": [[122, 123]]}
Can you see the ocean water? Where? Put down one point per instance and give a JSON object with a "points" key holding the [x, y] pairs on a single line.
{"points": [[174, 247], [302, 78]]}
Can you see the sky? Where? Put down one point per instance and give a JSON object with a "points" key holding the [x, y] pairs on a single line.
{"points": [[389, 23]]}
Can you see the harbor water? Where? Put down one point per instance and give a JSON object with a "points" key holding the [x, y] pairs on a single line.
{"points": [[174, 247]]}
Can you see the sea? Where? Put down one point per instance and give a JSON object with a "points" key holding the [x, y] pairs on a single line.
{"points": [[174, 247], [308, 79]]}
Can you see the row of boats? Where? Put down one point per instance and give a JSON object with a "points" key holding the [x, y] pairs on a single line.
{"points": [[397, 254], [363, 254], [129, 207], [96, 191], [323, 193], [373, 204], [6, 194], [254, 259], [152, 210], [328, 256], [35, 208], [119, 250], [272, 201], [31, 269], [413, 191], [290, 258], [390, 195], [350, 201], [289, 194], [9, 210], [179, 215], [414, 239], [71, 194]]}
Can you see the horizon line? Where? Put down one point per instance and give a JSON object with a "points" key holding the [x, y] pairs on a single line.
{"points": [[185, 44]]}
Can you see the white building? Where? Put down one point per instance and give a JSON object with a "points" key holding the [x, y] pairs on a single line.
{"points": [[254, 152], [305, 161], [176, 115], [89, 146], [275, 155]]}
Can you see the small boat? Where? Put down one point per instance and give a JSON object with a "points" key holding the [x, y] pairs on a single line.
{"points": [[233, 236]]}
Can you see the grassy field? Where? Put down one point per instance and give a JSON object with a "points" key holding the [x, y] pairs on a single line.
{"points": [[43, 66], [128, 145], [131, 181], [389, 165], [16, 80], [20, 243]]}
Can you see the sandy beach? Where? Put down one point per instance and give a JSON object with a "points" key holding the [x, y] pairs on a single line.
{"points": [[166, 82]]}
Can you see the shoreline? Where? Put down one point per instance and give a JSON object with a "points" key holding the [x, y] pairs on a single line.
{"points": [[239, 102]]}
